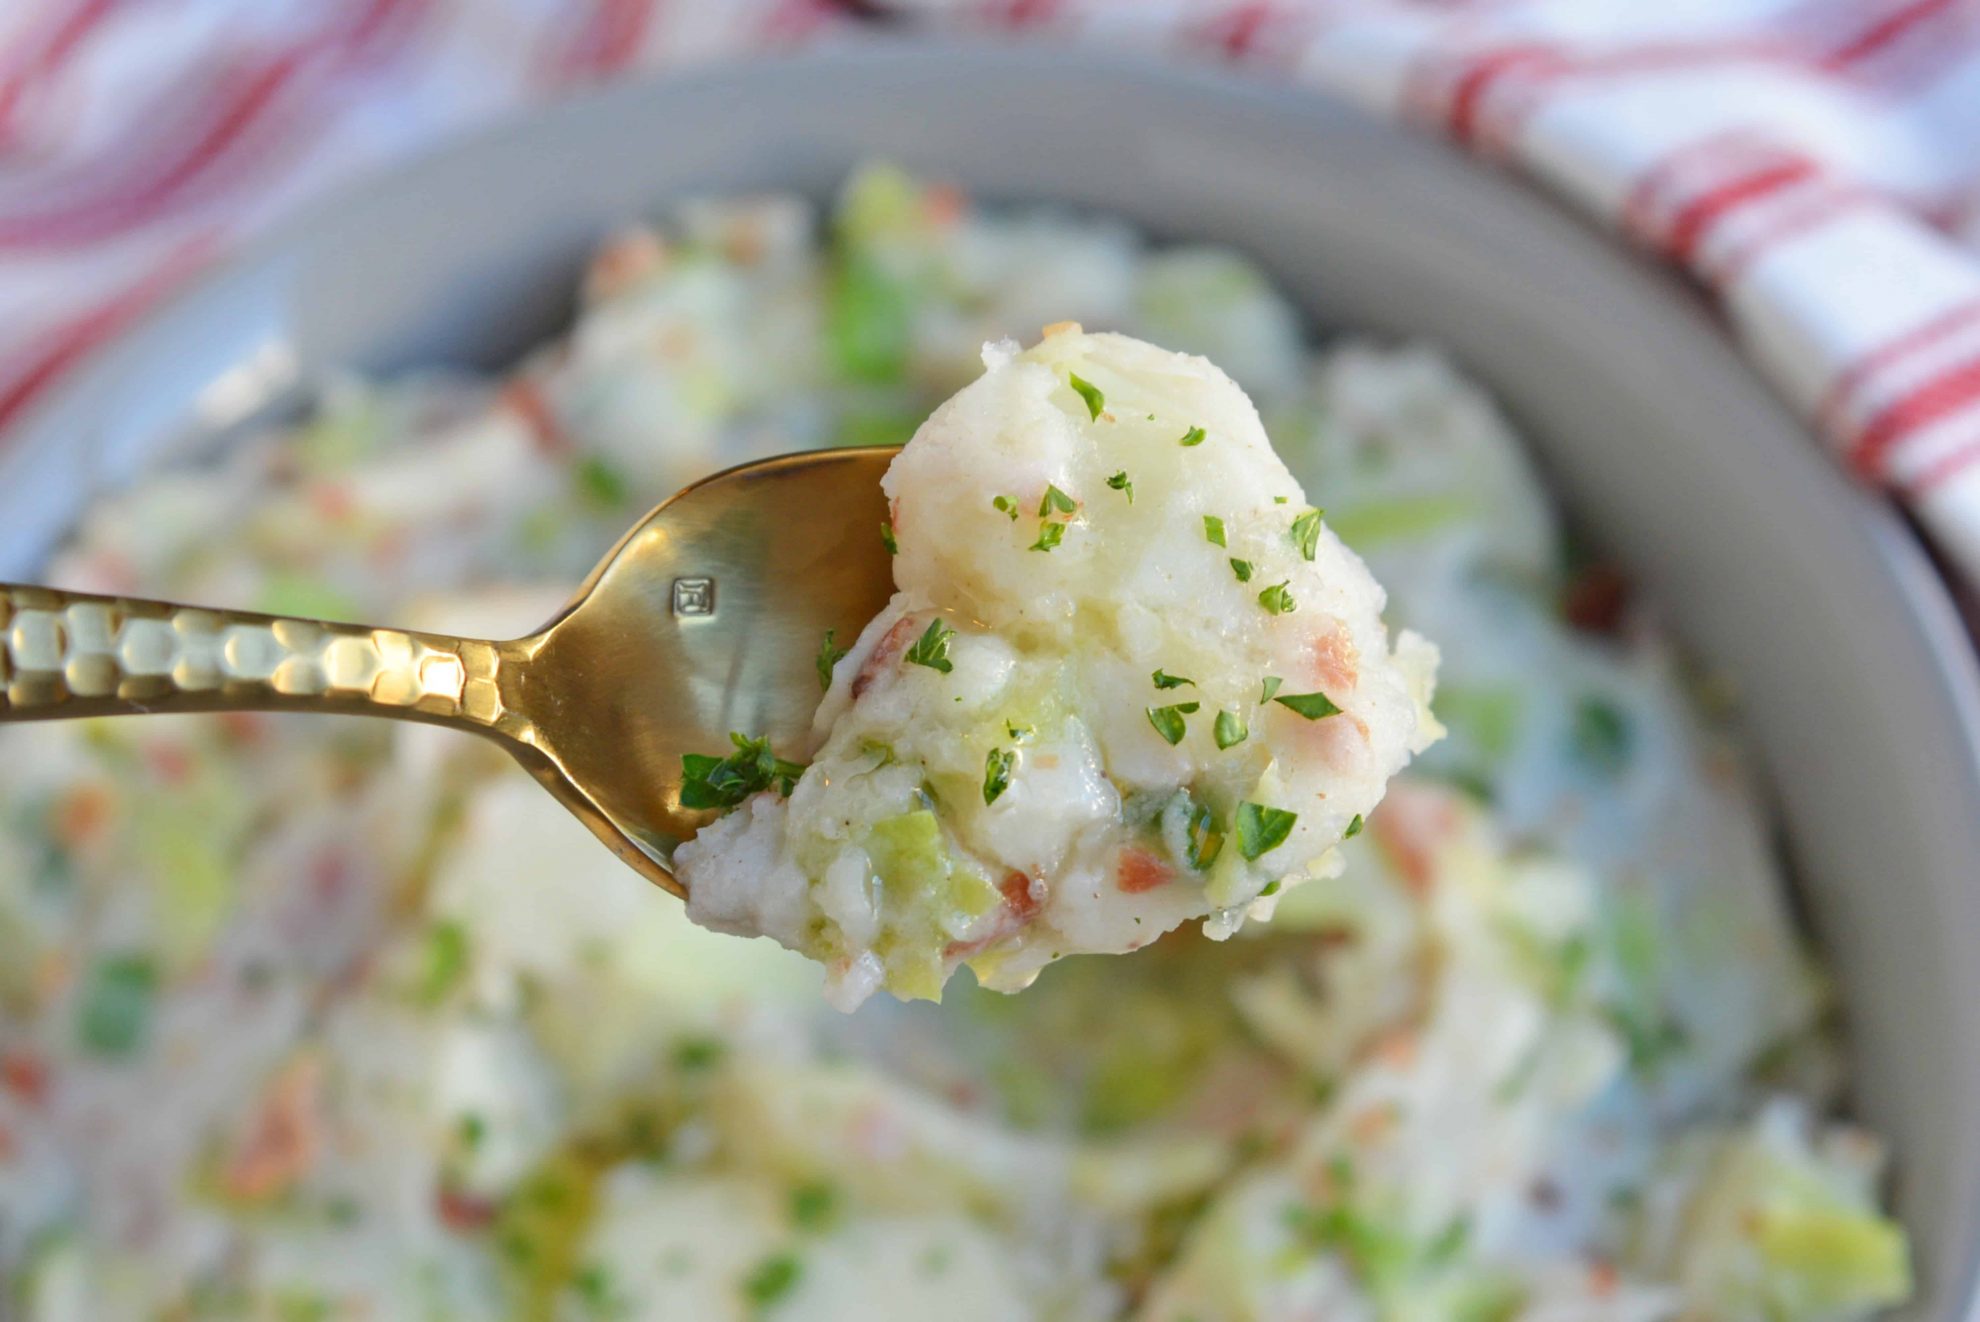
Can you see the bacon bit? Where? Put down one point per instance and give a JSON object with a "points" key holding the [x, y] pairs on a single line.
{"points": [[1139, 870], [463, 1211], [623, 262], [81, 814], [885, 652], [25, 1075], [1596, 600], [944, 204], [332, 500], [1603, 1278], [244, 728], [1411, 828], [525, 398], [170, 762], [1336, 938], [1018, 894], [282, 1140], [1336, 662], [1396, 1049], [1062, 328]]}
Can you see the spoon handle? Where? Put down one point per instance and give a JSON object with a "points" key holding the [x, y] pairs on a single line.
{"points": [[70, 654]]}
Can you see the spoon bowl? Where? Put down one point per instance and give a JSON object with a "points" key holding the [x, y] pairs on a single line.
{"points": [[706, 618]]}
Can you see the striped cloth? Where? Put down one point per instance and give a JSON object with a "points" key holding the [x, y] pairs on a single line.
{"points": [[1813, 165]]}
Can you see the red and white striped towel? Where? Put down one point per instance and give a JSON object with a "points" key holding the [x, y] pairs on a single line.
{"points": [[1813, 164]]}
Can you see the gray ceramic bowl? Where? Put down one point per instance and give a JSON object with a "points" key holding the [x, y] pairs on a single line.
{"points": [[1860, 686]]}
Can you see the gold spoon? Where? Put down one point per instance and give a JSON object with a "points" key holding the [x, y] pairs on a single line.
{"points": [[706, 618]]}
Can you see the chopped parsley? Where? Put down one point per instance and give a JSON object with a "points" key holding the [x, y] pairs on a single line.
{"points": [[724, 782], [1049, 536], [1194, 436], [117, 997], [1310, 705], [887, 538], [1213, 530], [1164, 680], [1260, 829], [1086, 390], [1278, 599], [1353, 828], [1119, 482], [601, 483], [1242, 568], [1231, 730], [1601, 735], [772, 1279], [997, 774], [1056, 501], [1271, 889], [1168, 721], [1306, 533], [1205, 837], [814, 1205], [1006, 506], [829, 653], [695, 1053], [1019, 733], [932, 648], [471, 1129], [1269, 687]]}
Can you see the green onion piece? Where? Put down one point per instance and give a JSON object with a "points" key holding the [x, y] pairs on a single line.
{"points": [[1206, 837], [1049, 536], [1261, 829], [1164, 680], [1056, 501], [887, 537], [829, 653], [1242, 568], [1353, 828], [997, 773], [1168, 721], [1306, 532], [1119, 482], [1213, 530], [932, 648], [1278, 599], [1006, 506], [1230, 730], [1194, 436], [1095, 401], [1310, 705]]}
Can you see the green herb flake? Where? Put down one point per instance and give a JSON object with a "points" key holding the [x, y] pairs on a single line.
{"points": [[594, 1290], [1242, 568], [1268, 688], [1006, 506], [118, 995], [1205, 837], [1056, 501], [1019, 733], [1231, 730], [1192, 437], [446, 961], [1271, 888], [712, 782], [1601, 735], [1312, 706], [829, 653], [1353, 828], [1213, 530], [1164, 680], [1119, 482], [600, 483], [814, 1205], [471, 1129], [1168, 721], [997, 774], [1260, 829], [1049, 536], [1086, 390], [887, 538], [772, 1279], [1278, 599], [932, 648], [695, 1054], [1278, 500], [1306, 533]]}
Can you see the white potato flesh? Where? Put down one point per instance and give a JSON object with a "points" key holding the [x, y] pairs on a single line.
{"points": [[1128, 679]]}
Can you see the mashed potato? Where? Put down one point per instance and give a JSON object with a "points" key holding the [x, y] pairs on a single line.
{"points": [[1129, 678]]}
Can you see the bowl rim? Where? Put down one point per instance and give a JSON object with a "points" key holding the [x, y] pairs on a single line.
{"points": [[1872, 527]]}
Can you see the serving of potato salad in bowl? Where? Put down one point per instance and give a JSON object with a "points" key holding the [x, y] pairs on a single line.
{"points": [[324, 1019]]}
